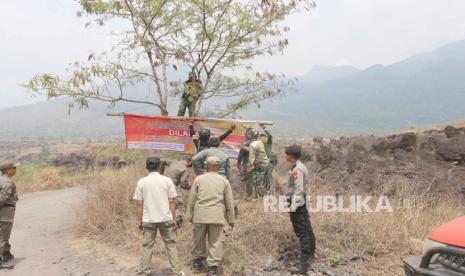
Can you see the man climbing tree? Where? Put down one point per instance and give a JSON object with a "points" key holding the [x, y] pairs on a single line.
{"points": [[191, 94], [211, 38]]}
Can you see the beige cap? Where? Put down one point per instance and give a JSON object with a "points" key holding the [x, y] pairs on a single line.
{"points": [[213, 160], [8, 165]]}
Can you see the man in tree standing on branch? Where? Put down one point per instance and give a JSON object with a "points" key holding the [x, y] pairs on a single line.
{"points": [[297, 182], [8, 199], [191, 94], [211, 206], [155, 197]]}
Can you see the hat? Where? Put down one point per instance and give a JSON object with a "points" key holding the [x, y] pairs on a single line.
{"points": [[213, 160], [9, 165]]}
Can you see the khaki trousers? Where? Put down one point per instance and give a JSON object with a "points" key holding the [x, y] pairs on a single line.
{"points": [[148, 241], [208, 243]]}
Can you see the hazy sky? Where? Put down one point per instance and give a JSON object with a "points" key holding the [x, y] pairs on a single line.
{"points": [[44, 36]]}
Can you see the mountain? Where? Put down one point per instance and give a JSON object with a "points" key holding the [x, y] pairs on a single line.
{"points": [[326, 73], [422, 90], [425, 89]]}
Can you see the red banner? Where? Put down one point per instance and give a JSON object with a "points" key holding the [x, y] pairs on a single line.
{"points": [[172, 133]]}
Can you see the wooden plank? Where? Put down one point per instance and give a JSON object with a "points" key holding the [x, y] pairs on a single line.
{"points": [[198, 119]]}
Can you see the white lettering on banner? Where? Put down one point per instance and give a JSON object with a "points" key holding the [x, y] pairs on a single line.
{"points": [[233, 153], [179, 133], [156, 146]]}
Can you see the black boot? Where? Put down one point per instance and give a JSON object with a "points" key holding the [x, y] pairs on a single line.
{"points": [[303, 267], [213, 271], [197, 266], [10, 264], [8, 256]]}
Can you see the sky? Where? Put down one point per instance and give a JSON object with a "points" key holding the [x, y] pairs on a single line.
{"points": [[45, 36]]}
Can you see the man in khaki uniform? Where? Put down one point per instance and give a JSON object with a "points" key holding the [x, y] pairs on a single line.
{"points": [[210, 200], [178, 171], [8, 199], [155, 197]]}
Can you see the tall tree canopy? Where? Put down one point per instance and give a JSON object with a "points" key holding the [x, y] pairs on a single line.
{"points": [[216, 39]]}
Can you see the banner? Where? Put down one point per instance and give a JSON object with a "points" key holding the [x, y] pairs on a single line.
{"points": [[172, 133]]}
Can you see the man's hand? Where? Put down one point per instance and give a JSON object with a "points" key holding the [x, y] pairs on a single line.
{"points": [[239, 167], [176, 227], [233, 126]]}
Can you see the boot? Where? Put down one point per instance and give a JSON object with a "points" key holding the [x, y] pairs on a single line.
{"points": [[9, 264], [197, 266], [303, 267], [8, 256], [213, 271]]}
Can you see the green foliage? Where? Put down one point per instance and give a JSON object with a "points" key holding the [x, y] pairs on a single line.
{"points": [[214, 38], [334, 258]]}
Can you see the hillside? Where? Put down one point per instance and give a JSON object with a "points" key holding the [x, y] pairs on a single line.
{"points": [[326, 73], [422, 90], [426, 89]]}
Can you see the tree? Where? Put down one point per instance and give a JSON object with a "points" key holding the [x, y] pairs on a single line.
{"points": [[217, 39]]}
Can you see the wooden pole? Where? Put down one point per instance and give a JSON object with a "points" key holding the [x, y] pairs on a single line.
{"points": [[197, 119]]}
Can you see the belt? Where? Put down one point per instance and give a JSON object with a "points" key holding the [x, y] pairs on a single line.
{"points": [[9, 205]]}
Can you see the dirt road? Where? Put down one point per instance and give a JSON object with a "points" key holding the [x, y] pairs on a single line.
{"points": [[42, 238]]}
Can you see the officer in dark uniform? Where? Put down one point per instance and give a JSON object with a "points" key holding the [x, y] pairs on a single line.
{"points": [[8, 199], [296, 190], [202, 139]]}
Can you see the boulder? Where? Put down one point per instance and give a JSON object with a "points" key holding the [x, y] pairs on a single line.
{"points": [[380, 148], [452, 149], [451, 131], [324, 156], [406, 141], [318, 139]]}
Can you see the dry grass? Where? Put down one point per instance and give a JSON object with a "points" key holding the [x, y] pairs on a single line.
{"points": [[32, 178], [382, 238]]}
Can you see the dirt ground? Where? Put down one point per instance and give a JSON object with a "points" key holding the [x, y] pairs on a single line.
{"points": [[43, 243]]}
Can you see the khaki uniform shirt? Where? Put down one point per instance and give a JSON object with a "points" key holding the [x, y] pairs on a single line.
{"points": [[297, 180], [257, 154], [178, 172], [210, 200]]}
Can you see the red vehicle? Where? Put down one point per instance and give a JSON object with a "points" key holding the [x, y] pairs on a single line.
{"points": [[443, 253]]}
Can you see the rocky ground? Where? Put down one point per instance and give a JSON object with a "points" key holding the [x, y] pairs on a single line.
{"points": [[430, 160]]}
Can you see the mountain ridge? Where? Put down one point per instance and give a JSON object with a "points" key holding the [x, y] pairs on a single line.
{"points": [[425, 89]]}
